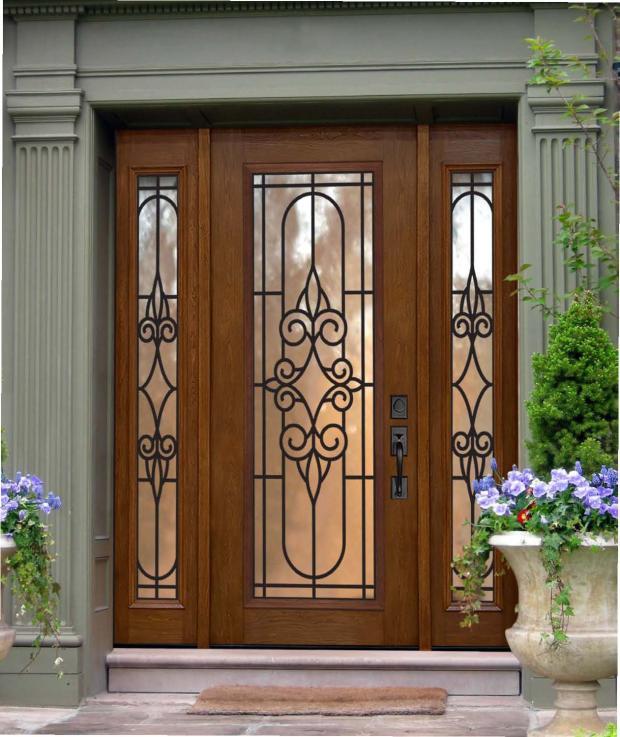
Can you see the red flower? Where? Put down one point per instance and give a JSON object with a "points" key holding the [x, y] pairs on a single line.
{"points": [[525, 514]]}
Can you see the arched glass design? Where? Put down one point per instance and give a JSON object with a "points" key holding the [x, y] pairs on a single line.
{"points": [[313, 386], [471, 348], [157, 421]]}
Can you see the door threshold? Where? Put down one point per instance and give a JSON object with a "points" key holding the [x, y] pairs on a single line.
{"points": [[172, 670]]}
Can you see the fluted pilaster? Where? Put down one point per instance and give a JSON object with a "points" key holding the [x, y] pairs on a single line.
{"points": [[43, 263]]}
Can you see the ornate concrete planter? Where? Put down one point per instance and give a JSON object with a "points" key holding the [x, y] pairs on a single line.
{"points": [[591, 652], [7, 634]]}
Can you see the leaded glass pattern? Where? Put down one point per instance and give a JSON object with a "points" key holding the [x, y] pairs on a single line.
{"points": [[313, 385], [471, 349], [157, 421]]}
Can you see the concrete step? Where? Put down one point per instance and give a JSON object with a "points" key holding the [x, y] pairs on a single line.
{"points": [[173, 670]]}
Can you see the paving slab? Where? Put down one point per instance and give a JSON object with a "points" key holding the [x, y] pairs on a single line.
{"points": [[142, 714]]}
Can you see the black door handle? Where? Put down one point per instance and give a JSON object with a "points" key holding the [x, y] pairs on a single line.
{"points": [[400, 454], [398, 438]]}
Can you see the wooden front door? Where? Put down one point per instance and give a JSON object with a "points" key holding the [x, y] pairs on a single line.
{"points": [[313, 247], [311, 339]]}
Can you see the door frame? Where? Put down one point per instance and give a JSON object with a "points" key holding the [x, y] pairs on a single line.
{"points": [[202, 365]]}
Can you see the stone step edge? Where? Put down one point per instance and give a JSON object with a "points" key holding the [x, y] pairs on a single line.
{"points": [[311, 659]]}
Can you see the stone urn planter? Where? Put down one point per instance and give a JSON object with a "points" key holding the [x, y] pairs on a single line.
{"points": [[591, 651], [7, 634]]}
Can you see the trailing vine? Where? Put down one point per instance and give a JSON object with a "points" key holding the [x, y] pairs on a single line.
{"points": [[23, 503]]}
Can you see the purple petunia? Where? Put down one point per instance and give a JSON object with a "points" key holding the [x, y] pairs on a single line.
{"points": [[513, 487], [539, 488], [596, 496], [24, 494], [501, 509], [486, 498]]}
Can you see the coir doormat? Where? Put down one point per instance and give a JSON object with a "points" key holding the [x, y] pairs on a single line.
{"points": [[290, 700]]}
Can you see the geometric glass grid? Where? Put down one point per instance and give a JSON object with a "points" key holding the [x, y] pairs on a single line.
{"points": [[471, 351], [313, 385], [157, 421]]}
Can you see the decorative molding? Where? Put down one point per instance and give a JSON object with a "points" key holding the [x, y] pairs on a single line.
{"points": [[53, 70], [26, 635], [46, 116], [22, 10], [413, 66]]}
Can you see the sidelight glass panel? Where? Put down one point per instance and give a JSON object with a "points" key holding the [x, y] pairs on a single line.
{"points": [[157, 421], [313, 386], [472, 349]]}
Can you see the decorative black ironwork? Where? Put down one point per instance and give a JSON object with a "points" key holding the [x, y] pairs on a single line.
{"points": [[157, 445], [471, 327], [313, 434]]}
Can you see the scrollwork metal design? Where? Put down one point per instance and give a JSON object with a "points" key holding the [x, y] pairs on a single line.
{"points": [[157, 445], [313, 385], [471, 327]]}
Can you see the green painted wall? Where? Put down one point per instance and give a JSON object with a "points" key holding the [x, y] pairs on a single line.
{"points": [[72, 73]]}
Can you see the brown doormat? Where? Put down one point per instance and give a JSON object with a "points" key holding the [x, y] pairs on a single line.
{"points": [[281, 700]]}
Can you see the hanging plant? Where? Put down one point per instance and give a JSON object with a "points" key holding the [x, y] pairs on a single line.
{"points": [[23, 508]]}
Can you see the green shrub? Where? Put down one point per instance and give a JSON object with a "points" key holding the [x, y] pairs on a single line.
{"points": [[574, 404]]}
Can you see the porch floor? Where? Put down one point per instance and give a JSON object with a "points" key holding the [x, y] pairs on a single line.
{"points": [[479, 716]]}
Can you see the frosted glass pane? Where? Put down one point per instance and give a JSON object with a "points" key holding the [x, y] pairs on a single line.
{"points": [[313, 420], [157, 387], [472, 348]]}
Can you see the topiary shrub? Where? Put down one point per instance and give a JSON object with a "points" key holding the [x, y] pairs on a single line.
{"points": [[573, 409]]}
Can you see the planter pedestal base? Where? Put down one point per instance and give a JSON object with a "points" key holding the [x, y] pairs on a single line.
{"points": [[576, 709]]}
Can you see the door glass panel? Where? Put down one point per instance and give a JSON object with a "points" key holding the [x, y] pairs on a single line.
{"points": [[157, 387], [313, 385], [472, 349]]}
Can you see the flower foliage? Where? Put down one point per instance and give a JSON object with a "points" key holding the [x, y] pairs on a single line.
{"points": [[573, 408], [23, 507], [561, 511]]}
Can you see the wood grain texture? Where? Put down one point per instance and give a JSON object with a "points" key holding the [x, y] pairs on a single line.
{"points": [[163, 621], [412, 356], [422, 428], [204, 386], [470, 148], [236, 617]]}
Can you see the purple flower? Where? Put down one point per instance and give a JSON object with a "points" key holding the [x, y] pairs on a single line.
{"points": [[604, 491], [24, 484], [22, 514], [45, 507], [613, 510], [609, 476], [493, 465], [513, 487], [540, 488], [486, 498], [578, 468], [487, 483], [575, 478], [54, 501], [501, 509], [582, 492], [559, 479]]}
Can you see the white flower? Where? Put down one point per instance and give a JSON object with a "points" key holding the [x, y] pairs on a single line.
{"points": [[58, 661]]}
